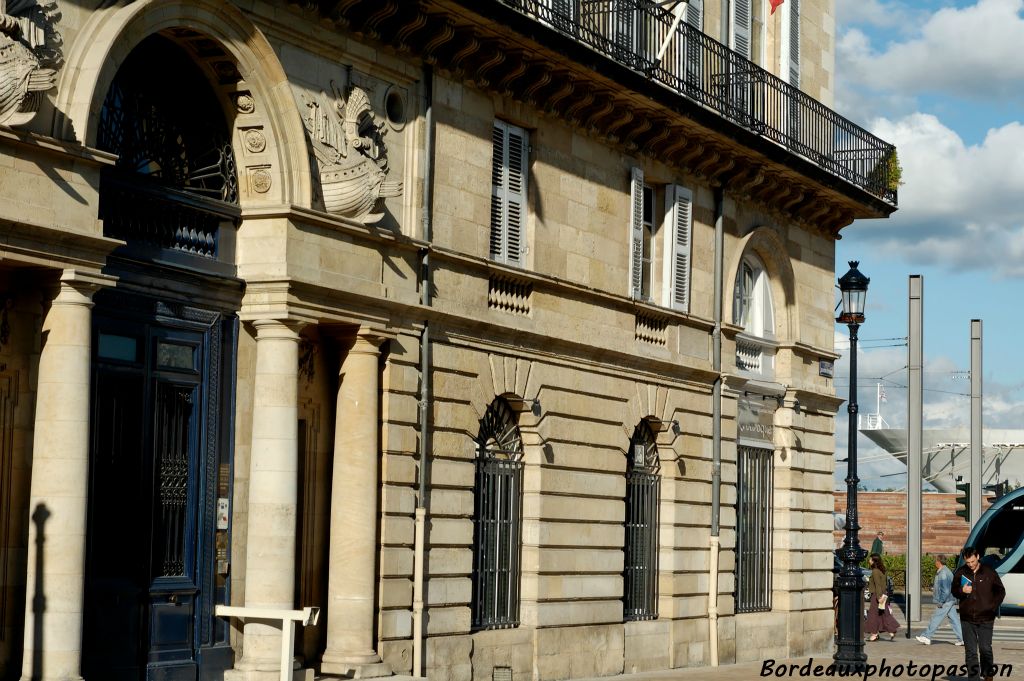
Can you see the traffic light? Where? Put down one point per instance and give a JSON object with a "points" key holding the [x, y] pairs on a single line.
{"points": [[965, 500], [999, 488]]}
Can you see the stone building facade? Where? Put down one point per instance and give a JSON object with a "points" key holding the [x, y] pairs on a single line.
{"points": [[499, 331]]}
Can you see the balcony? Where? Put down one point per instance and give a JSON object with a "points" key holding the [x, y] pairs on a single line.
{"points": [[702, 108], [755, 357], [631, 32]]}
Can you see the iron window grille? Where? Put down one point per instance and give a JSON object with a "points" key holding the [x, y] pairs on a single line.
{"points": [[755, 481], [497, 519], [643, 482]]}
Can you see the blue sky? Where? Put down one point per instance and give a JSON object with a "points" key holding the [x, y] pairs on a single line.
{"points": [[944, 81]]}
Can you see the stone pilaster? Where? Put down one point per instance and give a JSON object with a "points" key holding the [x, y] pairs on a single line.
{"points": [[273, 494], [60, 486], [350, 587]]}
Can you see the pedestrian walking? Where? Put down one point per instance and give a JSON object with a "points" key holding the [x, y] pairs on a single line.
{"points": [[880, 619], [876, 546], [945, 604], [980, 592]]}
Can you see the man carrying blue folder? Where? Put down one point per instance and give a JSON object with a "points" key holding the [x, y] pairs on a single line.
{"points": [[980, 592]]}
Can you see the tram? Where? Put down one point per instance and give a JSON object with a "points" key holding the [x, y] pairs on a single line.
{"points": [[999, 537]]}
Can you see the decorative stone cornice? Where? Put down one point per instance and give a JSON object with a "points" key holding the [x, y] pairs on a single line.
{"points": [[539, 66]]}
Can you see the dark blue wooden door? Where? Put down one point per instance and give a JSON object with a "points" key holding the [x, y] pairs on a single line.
{"points": [[150, 502]]}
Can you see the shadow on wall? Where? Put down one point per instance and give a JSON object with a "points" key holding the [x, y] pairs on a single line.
{"points": [[39, 517]]}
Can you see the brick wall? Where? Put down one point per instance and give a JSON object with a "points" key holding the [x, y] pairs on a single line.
{"points": [[942, 531]]}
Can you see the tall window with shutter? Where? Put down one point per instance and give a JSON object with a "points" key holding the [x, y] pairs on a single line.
{"points": [[752, 299], [741, 19], [792, 70], [509, 170], [694, 16], [678, 237], [794, 43], [643, 480]]}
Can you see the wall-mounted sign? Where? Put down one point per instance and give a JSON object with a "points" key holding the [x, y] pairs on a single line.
{"points": [[755, 420], [826, 368]]}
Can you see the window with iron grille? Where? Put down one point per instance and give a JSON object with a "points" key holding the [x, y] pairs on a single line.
{"points": [[497, 519], [754, 530], [640, 577]]}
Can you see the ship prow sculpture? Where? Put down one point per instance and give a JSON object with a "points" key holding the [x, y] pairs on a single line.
{"points": [[25, 58], [349, 148]]}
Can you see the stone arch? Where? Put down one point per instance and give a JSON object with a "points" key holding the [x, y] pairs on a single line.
{"points": [[655, 405], [242, 68], [766, 243]]}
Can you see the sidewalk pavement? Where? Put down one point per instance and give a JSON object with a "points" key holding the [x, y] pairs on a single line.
{"points": [[902, 651]]}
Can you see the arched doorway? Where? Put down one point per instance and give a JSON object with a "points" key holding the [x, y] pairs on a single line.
{"points": [[158, 543]]}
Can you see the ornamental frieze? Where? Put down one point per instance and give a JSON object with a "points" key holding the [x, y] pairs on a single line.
{"points": [[29, 57], [351, 156]]}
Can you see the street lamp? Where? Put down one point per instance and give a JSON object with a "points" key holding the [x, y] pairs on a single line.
{"points": [[850, 649]]}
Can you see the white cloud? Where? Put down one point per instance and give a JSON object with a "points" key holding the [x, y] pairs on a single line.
{"points": [[971, 51], [960, 204], [873, 13]]}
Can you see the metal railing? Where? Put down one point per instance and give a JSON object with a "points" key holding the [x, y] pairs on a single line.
{"points": [[704, 70]]}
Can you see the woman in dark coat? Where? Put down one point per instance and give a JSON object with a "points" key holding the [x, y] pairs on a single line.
{"points": [[880, 617]]}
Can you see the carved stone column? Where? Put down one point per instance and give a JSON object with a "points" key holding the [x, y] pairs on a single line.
{"points": [[273, 494], [351, 620], [60, 486]]}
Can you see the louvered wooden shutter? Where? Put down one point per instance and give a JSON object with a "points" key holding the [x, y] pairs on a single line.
{"points": [[516, 217], [680, 211], [562, 14], [741, 27], [508, 192], [636, 229], [794, 43], [625, 26], [695, 14], [497, 240]]}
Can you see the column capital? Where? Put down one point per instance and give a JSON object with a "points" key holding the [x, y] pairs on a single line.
{"points": [[280, 329], [368, 340], [77, 288]]}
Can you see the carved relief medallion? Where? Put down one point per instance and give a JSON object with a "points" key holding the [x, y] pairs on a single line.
{"points": [[245, 103], [255, 142], [260, 180]]}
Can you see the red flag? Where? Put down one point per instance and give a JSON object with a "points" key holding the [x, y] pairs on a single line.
{"points": [[775, 5]]}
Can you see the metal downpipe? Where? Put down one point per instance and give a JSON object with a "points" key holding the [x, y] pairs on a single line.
{"points": [[716, 429], [419, 556]]}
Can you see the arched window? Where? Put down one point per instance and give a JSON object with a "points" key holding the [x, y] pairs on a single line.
{"points": [[497, 519], [174, 183], [752, 299], [643, 480]]}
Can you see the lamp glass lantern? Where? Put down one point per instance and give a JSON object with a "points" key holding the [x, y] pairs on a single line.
{"points": [[854, 288]]}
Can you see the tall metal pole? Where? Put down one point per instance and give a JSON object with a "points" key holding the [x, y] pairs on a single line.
{"points": [[850, 650], [915, 401], [976, 429]]}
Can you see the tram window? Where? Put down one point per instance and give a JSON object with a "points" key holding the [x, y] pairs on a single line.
{"points": [[175, 356], [112, 346], [1001, 536]]}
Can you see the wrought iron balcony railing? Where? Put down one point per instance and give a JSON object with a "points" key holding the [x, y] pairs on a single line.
{"points": [[704, 70]]}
